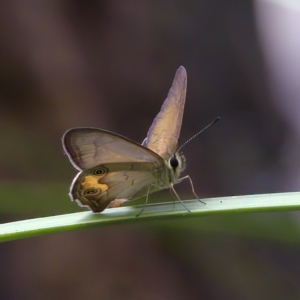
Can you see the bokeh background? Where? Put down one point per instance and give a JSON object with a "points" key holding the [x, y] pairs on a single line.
{"points": [[110, 64]]}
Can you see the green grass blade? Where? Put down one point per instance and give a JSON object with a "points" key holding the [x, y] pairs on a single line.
{"points": [[81, 220]]}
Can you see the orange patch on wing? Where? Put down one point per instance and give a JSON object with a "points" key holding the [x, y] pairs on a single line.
{"points": [[91, 181]]}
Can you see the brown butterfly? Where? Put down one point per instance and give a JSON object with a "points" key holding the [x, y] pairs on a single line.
{"points": [[114, 169]]}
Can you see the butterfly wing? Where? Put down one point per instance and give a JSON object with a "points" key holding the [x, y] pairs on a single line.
{"points": [[97, 187], [164, 132], [113, 167], [89, 147]]}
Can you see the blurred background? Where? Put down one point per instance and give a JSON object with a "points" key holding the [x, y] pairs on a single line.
{"points": [[110, 64]]}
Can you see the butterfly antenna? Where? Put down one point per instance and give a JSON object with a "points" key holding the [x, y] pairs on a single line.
{"points": [[208, 126]]}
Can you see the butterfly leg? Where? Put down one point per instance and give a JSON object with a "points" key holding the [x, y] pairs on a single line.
{"points": [[193, 190], [175, 193], [147, 196], [172, 198]]}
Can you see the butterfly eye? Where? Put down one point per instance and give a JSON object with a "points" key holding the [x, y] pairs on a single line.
{"points": [[91, 191], [100, 171], [174, 162]]}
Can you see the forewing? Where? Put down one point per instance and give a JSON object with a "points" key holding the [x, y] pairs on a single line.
{"points": [[89, 147], [97, 187], [164, 132]]}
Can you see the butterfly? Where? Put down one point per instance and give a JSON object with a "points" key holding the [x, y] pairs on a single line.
{"points": [[114, 169]]}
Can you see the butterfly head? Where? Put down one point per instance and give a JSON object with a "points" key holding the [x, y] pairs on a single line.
{"points": [[177, 164]]}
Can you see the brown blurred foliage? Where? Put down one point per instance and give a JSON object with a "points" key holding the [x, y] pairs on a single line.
{"points": [[109, 64]]}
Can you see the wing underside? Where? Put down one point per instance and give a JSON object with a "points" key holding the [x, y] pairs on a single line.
{"points": [[117, 181], [89, 147], [164, 132]]}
